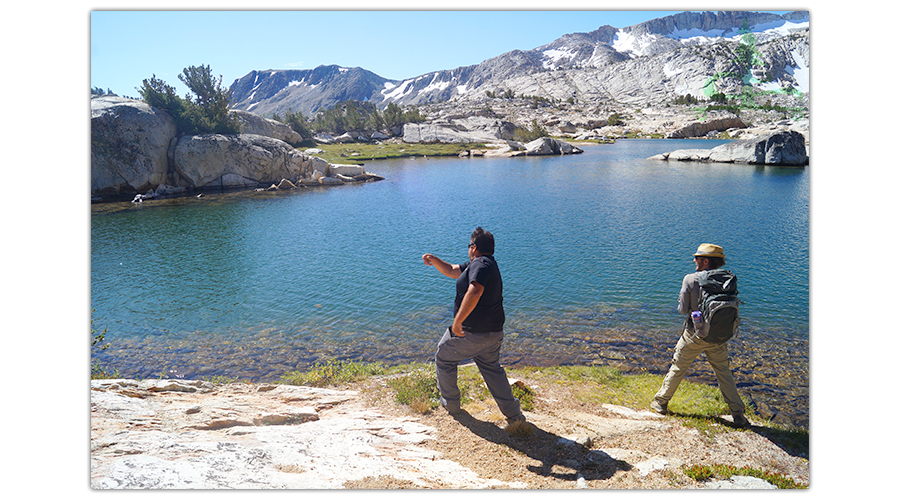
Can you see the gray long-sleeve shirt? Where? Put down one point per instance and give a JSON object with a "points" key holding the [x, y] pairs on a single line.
{"points": [[689, 297]]}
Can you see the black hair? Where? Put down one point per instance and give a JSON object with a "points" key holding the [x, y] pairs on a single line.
{"points": [[715, 262], [484, 240]]}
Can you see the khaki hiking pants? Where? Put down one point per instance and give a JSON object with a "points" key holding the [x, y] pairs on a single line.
{"points": [[687, 349]]}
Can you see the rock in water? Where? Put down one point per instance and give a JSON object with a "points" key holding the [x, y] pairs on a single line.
{"points": [[782, 148], [787, 148]]}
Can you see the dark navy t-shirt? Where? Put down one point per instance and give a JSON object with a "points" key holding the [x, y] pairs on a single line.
{"points": [[488, 314]]}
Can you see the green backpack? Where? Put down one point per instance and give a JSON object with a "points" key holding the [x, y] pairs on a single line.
{"points": [[719, 305]]}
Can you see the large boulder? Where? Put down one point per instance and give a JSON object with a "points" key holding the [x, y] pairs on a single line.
{"points": [[784, 148], [348, 170], [459, 130], [550, 146], [234, 161], [255, 124], [129, 141], [702, 128], [345, 138]]}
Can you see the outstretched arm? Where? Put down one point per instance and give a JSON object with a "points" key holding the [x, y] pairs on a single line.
{"points": [[448, 270]]}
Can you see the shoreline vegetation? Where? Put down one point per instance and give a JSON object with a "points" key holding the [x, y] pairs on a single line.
{"points": [[412, 388], [360, 152]]}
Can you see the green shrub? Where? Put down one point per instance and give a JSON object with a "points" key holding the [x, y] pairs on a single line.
{"points": [[704, 472], [204, 112], [525, 396], [98, 343], [296, 121], [528, 134], [417, 389], [359, 116], [686, 99], [698, 472]]}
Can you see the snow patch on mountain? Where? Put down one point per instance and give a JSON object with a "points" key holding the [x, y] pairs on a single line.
{"points": [[671, 71], [800, 72], [780, 28], [696, 33], [435, 84], [631, 45], [399, 91], [553, 56], [641, 45]]}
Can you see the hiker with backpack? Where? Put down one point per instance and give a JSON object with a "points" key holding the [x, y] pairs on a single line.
{"points": [[709, 298]]}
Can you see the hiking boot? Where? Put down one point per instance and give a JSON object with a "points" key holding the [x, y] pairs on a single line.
{"points": [[740, 420], [518, 426], [661, 408], [518, 418], [452, 407]]}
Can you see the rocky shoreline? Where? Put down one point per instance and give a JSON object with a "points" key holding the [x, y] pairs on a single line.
{"points": [[135, 153], [188, 434]]}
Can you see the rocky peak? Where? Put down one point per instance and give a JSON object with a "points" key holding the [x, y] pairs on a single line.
{"points": [[651, 62], [686, 24], [279, 91]]}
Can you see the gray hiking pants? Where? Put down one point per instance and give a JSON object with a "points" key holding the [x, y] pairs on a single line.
{"points": [[484, 350], [687, 349]]}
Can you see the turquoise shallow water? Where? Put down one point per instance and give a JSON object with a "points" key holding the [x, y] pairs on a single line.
{"points": [[592, 248]]}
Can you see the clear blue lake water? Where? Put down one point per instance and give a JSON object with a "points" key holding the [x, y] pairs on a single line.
{"points": [[592, 249]]}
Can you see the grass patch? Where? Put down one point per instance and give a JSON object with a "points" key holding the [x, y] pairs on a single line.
{"points": [[597, 384], [414, 385], [99, 372], [356, 153], [417, 388], [706, 472], [333, 372], [695, 405], [220, 379]]}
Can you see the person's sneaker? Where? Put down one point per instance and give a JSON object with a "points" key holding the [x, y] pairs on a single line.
{"points": [[740, 420], [661, 408]]}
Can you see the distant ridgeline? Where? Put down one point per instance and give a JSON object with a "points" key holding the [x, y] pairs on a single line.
{"points": [[737, 56]]}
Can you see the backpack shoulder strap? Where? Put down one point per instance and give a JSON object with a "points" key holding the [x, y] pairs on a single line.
{"points": [[718, 281]]}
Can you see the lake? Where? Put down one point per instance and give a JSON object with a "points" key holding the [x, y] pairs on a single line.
{"points": [[592, 249]]}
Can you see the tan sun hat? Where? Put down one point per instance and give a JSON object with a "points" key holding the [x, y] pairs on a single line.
{"points": [[709, 250]]}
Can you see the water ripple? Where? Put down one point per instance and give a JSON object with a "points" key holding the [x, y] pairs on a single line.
{"points": [[592, 249]]}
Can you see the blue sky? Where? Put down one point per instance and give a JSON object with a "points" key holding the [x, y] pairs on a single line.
{"points": [[128, 46]]}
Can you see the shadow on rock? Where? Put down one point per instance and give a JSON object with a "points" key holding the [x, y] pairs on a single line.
{"points": [[794, 442], [559, 457]]}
